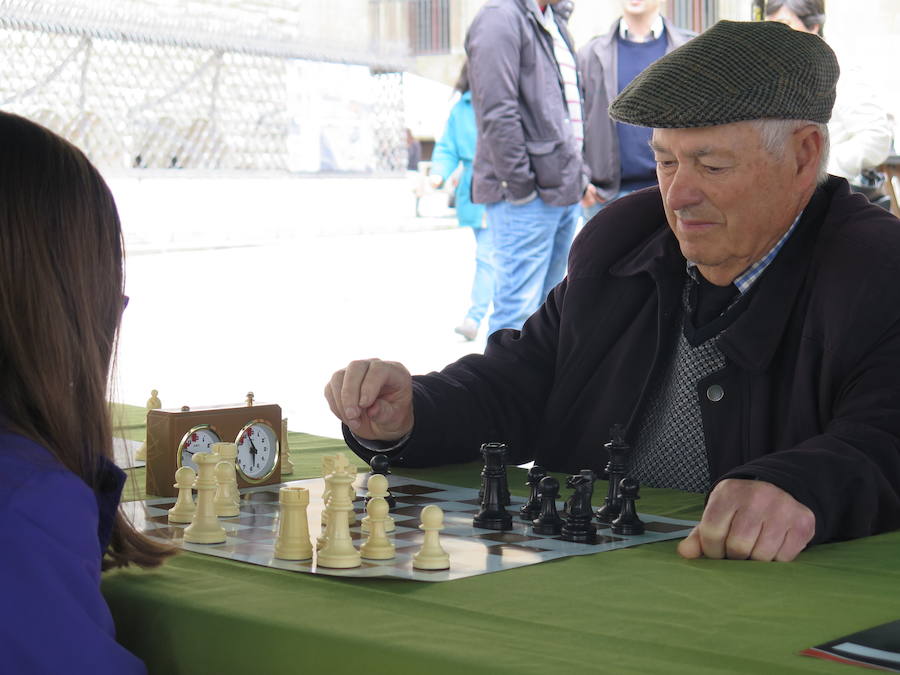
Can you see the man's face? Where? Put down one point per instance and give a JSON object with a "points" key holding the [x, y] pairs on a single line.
{"points": [[640, 7], [727, 200], [787, 17]]}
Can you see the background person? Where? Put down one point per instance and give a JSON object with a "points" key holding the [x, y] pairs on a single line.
{"points": [[619, 155], [61, 300], [457, 147]]}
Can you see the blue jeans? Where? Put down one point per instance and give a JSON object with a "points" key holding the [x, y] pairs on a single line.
{"points": [[483, 283], [531, 244], [591, 211]]}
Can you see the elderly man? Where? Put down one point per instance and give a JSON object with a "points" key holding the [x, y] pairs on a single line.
{"points": [[742, 320]]}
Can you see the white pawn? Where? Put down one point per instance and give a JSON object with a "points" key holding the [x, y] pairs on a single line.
{"points": [[431, 556], [227, 500], [293, 529], [205, 527], [184, 508], [377, 487], [228, 453], [377, 546]]}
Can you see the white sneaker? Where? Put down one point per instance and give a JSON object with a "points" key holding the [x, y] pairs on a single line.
{"points": [[468, 328]]}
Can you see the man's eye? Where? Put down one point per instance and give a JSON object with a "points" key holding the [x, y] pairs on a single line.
{"points": [[714, 169], [666, 163]]}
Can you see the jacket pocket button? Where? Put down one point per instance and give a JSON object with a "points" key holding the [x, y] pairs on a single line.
{"points": [[503, 183], [715, 393]]}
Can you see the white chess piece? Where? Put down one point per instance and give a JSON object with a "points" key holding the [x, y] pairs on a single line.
{"points": [[184, 508], [377, 487], [227, 499], [287, 466], [377, 546], [338, 550], [228, 453], [431, 556], [205, 527], [293, 528]]}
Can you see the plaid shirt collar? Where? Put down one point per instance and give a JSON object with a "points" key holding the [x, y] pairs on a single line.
{"points": [[746, 279]]}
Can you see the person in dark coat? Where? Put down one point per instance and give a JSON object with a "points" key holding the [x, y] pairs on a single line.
{"points": [[741, 320]]}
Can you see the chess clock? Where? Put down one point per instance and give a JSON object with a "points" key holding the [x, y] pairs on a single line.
{"points": [[174, 436]]}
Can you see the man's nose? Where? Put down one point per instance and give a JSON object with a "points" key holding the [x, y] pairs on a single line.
{"points": [[683, 190]]}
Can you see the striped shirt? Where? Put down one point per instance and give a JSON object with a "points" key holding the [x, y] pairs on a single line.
{"points": [[565, 61]]}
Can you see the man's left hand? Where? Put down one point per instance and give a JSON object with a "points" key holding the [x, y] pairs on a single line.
{"points": [[748, 519]]}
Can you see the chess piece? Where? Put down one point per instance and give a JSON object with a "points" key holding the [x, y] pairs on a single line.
{"points": [[548, 522], [249, 398], [184, 508], [628, 522], [381, 465], [431, 556], [153, 403], [350, 470], [577, 525], [287, 466], [616, 469], [293, 528], [493, 515], [227, 499], [327, 470], [532, 507], [377, 488], [338, 550], [504, 485], [377, 546], [228, 453], [205, 527]]}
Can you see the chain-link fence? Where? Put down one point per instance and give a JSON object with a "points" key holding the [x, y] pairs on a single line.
{"points": [[135, 85]]}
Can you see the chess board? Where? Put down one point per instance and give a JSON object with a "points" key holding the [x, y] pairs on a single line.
{"points": [[251, 535]]}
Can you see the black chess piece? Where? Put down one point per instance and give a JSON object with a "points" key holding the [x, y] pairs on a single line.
{"points": [[504, 488], [493, 514], [628, 522], [381, 464], [619, 454], [548, 522], [532, 507], [577, 525]]}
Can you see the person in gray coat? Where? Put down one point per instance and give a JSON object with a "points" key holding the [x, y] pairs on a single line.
{"points": [[528, 167], [619, 156]]}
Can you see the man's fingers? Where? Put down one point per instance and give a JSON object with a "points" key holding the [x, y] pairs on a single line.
{"points": [[689, 547], [350, 390]]}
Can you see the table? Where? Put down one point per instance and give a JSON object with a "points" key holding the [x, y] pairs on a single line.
{"points": [[637, 610]]}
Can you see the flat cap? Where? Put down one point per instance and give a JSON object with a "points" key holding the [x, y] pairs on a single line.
{"points": [[735, 71]]}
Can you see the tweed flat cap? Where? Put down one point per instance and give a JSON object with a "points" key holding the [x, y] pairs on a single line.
{"points": [[735, 71]]}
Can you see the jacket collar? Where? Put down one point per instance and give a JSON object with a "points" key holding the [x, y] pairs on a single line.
{"points": [[751, 341]]}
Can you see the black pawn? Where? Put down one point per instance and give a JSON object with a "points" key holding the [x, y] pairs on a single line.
{"points": [[628, 522], [616, 469], [548, 522], [493, 514], [381, 464], [532, 507]]}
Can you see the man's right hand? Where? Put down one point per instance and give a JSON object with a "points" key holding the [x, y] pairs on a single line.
{"points": [[591, 197], [373, 398]]}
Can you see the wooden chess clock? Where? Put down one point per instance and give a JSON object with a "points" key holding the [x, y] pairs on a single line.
{"points": [[175, 435]]}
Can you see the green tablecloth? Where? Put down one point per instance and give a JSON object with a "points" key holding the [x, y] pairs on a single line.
{"points": [[637, 610]]}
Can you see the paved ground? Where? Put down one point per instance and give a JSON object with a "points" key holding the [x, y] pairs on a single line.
{"points": [[271, 285]]}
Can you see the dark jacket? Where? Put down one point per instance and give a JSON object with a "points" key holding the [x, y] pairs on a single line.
{"points": [[598, 66], [812, 381], [525, 143]]}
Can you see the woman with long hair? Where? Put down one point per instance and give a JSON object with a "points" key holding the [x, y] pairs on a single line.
{"points": [[61, 301]]}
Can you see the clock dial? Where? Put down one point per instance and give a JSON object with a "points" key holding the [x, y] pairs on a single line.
{"points": [[197, 439], [257, 450]]}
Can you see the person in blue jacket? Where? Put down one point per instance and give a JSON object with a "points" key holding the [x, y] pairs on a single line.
{"points": [[61, 300], [457, 146]]}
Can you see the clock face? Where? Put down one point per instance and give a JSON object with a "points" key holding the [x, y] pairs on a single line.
{"points": [[257, 450], [198, 439]]}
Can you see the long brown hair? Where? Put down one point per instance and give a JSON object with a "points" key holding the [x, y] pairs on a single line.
{"points": [[61, 299]]}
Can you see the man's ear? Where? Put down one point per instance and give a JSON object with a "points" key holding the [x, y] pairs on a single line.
{"points": [[809, 144]]}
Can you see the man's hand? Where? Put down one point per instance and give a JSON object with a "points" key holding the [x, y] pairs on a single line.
{"points": [[591, 197], [373, 398], [750, 519]]}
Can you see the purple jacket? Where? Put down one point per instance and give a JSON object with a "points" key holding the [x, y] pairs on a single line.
{"points": [[812, 381], [53, 618]]}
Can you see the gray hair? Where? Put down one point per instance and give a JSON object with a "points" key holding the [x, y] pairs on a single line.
{"points": [[774, 134]]}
